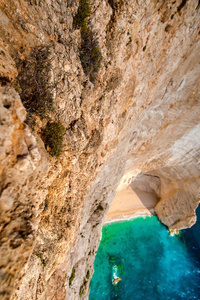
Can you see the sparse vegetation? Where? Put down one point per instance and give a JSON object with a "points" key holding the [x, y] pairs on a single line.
{"points": [[82, 287], [88, 274], [72, 276], [16, 86], [81, 18], [52, 136], [90, 53], [46, 205], [43, 261], [129, 41], [144, 48], [33, 82], [100, 207], [36, 91], [81, 291]]}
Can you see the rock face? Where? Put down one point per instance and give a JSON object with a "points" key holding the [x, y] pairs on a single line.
{"points": [[140, 115]]}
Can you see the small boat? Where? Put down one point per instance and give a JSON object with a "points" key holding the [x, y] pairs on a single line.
{"points": [[116, 280]]}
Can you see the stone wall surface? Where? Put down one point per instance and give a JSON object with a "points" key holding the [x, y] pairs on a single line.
{"points": [[140, 115]]}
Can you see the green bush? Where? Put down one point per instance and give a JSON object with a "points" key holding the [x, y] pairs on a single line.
{"points": [[52, 136]]}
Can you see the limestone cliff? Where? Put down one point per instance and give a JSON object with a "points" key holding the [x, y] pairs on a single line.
{"points": [[131, 106]]}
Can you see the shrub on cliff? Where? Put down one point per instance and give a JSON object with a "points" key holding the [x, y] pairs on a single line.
{"points": [[81, 18], [90, 54], [34, 80], [72, 276], [53, 135]]}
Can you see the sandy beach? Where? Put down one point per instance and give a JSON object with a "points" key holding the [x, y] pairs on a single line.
{"points": [[129, 204]]}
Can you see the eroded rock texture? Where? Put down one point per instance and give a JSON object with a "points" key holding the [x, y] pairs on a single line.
{"points": [[141, 114]]}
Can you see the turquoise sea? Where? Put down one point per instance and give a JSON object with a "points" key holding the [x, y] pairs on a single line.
{"points": [[151, 263]]}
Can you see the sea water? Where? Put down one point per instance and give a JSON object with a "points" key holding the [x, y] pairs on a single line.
{"points": [[150, 263]]}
